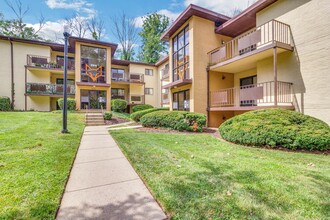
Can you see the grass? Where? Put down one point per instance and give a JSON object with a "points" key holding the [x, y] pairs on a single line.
{"points": [[196, 176], [122, 115], [35, 161]]}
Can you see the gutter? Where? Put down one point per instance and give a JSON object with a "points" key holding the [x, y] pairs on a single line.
{"points": [[12, 73]]}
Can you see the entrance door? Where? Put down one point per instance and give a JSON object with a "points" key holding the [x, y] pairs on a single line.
{"points": [[92, 99], [245, 87]]}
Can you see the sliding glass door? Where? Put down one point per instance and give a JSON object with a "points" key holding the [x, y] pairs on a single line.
{"points": [[181, 100]]}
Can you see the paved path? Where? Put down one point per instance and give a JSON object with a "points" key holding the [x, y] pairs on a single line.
{"points": [[103, 184]]}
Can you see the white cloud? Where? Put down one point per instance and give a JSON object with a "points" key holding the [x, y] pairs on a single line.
{"points": [[171, 15], [81, 6], [225, 7]]}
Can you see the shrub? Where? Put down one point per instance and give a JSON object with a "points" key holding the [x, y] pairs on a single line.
{"points": [[107, 115], [5, 104], [277, 128], [177, 120], [71, 102], [137, 108], [136, 116], [118, 105]]}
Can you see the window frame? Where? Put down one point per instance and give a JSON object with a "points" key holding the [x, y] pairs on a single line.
{"points": [[149, 89], [184, 98], [175, 54], [148, 70]]}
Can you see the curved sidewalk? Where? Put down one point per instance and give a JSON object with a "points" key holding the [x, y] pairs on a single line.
{"points": [[104, 185]]}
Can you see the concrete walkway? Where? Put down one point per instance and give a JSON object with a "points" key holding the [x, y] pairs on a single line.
{"points": [[103, 184]]}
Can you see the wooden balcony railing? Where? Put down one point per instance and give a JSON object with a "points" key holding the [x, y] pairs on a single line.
{"points": [[128, 77], [47, 63], [48, 89], [261, 94], [256, 38]]}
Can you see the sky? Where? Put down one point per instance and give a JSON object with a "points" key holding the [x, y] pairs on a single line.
{"points": [[55, 11]]}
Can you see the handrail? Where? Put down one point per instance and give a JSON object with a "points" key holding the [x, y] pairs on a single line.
{"points": [[46, 88], [47, 62]]}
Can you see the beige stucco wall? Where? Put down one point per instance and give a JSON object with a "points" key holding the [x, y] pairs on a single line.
{"points": [[150, 82], [39, 103], [5, 70], [308, 67]]}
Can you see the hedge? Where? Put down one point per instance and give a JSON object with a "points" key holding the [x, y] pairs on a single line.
{"points": [[71, 102], [107, 115], [5, 104], [177, 120], [118, 105], [136, 116], [141, 107], [277, 128]]}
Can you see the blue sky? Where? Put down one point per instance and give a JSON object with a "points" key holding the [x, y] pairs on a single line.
{"points": [[55, 11]]}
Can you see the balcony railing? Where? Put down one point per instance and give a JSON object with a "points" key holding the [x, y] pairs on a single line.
{"points": [[261, 94], [46, 62], [256, 38], [130, 77], [48, 89]]}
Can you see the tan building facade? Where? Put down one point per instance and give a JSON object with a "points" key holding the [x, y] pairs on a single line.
{"points": [[31, 75], [273, 54]]}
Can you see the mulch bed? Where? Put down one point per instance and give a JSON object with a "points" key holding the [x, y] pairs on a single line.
{"points": [[115, 121]]}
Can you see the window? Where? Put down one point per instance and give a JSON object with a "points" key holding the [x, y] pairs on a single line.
{"points": [[117, 74], [181, 101], [93, 64], [60, 62], [61, 81], [149, 91], [181, 55], [117, 93], [148, 72]]}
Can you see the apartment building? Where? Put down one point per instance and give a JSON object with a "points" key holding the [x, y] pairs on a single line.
{"points": [[273, 54], [31, 74]]}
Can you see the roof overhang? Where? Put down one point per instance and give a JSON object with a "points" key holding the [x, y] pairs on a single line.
{"points": [[73, 40], [178, 83], [128, 62], [193, 10], [243, 21]]}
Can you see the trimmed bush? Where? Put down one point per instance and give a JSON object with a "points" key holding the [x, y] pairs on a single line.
{"points": [[70, 101], [136, 116], [107, 115], [118, 105], [5, 104], [277, 128], [137, 108], [177, 120]]}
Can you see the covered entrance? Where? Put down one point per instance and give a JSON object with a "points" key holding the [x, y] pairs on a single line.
{"points": [[93, 99]]}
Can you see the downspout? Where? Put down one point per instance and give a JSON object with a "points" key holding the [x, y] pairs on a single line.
{"points": [[12, 73]]}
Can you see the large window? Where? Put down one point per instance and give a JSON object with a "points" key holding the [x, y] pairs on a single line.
{"points": [[181, 55], [181, 101], [117, 74], [93, 64], [117, 93]]}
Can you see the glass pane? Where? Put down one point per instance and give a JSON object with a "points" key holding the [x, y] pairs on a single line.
{"points": [[180, 100], [180, 40], [93, 60], [175, 44], [181, 57], [186, 52], [186, 35]]}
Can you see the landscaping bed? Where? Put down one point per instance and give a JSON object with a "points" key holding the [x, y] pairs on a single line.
{"points": [[199, 177], [35, 161]]}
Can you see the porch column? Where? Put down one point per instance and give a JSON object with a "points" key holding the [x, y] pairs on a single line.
{"points": [[275, 76]]}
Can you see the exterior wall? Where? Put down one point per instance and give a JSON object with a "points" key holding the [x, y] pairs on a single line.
{"points": [[162, 83], [38, 103], [150, 82], [308, 66], [5, 70], [217, 118], [244, 74]]}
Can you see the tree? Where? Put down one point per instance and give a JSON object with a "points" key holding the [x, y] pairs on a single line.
{"points": [[126, 33], [77, 25], [17, 27], [96, 28], [152, 46]]}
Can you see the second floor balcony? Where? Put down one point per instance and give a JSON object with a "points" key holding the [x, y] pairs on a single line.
{"points": [[255, 41], [127, 78], [45, 89], [47, 63]]}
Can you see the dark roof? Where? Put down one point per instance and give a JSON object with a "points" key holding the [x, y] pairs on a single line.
{"points": [[54, 46], [190, 11], [161, 61], [127, 62], [243, 21], [73, 40]]}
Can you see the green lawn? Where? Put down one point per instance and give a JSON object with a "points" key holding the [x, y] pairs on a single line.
{"points": [[196, 176], [35, 160], [122, 115]]}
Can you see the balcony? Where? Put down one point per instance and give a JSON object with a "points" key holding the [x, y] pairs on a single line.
{"points": [[255, 44], [55, 90], [127, 78], [252, 97], [46, 63]]}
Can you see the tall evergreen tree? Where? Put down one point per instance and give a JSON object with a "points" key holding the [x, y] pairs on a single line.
{"points": [[152, 46]]}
